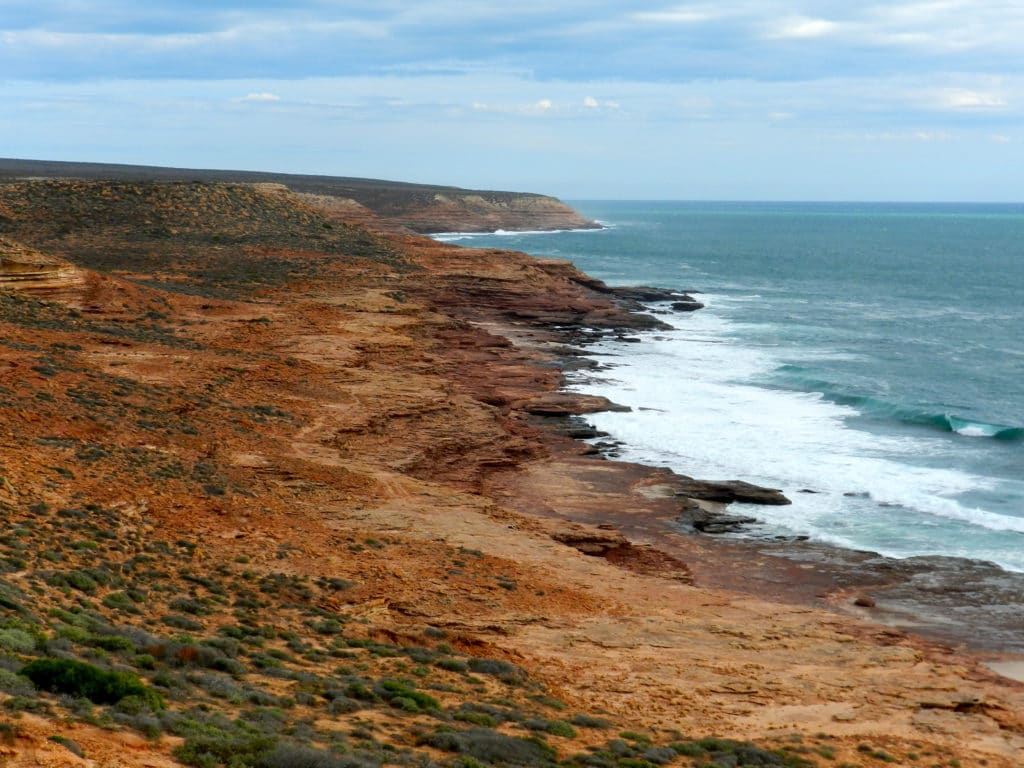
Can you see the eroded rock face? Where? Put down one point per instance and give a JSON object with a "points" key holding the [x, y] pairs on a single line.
{"points": [[483, 212], [31, 271]]}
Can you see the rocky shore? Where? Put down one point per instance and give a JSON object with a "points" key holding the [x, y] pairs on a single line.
{"points": [[318, 488]]}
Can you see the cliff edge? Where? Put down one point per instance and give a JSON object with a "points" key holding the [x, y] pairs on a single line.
{"points": [[387, 205]]}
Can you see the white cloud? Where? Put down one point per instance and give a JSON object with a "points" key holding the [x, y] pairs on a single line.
{"points": [[591, 103], [802, 28], [262, 96], [890, 136], [539, 107], [965, 99], [999, 138], [682, 14]]}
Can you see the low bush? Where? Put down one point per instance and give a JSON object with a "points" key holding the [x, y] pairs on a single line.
{"points": [[493, 747], [17, 640], [182, 622], [586, 721], [68, 744], [297, 756], [503, 670], [16, 685], [402, 695], [77, 678], [233, 748]]}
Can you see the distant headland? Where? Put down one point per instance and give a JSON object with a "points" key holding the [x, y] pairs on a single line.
{"points": [[421, 208]]}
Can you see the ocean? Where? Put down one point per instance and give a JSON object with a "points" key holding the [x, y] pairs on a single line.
{"points": [[867, 359]]}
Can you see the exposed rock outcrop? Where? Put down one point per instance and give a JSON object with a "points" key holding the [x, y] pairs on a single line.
{"points": [[728, 492], [30, 271]]}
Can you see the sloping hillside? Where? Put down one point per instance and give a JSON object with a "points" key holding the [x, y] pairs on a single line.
{"points": [[418, 207]]}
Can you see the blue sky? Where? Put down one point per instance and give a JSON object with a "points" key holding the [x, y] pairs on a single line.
{"points": [[736, 99]]}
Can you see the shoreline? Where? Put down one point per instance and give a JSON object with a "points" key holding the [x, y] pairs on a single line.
{"points": [[972, 603], [917, 594]]}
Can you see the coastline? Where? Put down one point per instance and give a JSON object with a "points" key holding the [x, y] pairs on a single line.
{"points": [[964, 602], [916, 595], [394, 419], [969, 603]]}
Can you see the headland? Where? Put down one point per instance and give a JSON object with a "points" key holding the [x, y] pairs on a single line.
{"points": [[311, 487]]}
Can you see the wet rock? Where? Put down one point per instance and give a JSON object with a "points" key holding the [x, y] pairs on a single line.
{"points": [[730, 491], [687, 306], [863, 601], [581, 430], [647, 293], [568, 404], [708, 521]]}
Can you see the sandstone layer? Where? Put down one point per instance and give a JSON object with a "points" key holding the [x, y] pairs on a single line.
{"points": [[314, 485]]}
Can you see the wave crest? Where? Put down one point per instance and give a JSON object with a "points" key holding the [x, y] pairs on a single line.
{"points": [[882, 409]]}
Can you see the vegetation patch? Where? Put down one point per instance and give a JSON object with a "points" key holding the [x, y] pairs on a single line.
{"points": [[77, 678]]}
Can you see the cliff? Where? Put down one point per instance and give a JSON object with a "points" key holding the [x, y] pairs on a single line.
{"points": [[282, 490], [386, 204]]}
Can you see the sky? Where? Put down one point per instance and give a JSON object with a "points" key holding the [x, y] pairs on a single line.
{"points": [[583, 99]]}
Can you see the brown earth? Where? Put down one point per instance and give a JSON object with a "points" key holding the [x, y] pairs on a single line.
{"points": [[244, 387]]}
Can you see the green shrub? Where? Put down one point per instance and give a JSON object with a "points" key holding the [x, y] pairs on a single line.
{"points": [[586, 721], [77, 678], [399, 694], [231, 748], [112, 643], [182, 622], [493, 747], [68, 744], [118, 601], [452, 665], [16, 685], [561, 728], [296, 756], [503, 670], [81, 581], [17, 640]]}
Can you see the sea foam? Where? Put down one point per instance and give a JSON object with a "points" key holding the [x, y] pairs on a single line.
{"points": [[694, 410]]}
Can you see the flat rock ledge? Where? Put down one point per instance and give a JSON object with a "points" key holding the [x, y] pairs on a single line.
{"points": [[707, 518], [616, 548], [567, 404], [729, 492]]}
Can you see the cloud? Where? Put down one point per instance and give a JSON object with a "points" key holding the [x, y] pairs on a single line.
{"points": [[543, 105], [683, 14], [261, 96], [896, 136], [591, 103], [802, 28], [962, 99], [1000, 138]]}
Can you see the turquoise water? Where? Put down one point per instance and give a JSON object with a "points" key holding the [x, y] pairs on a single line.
{"points": [[870, 353]]}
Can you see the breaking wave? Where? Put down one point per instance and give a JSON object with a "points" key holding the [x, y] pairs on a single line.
{"points": [[881, 409]]}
